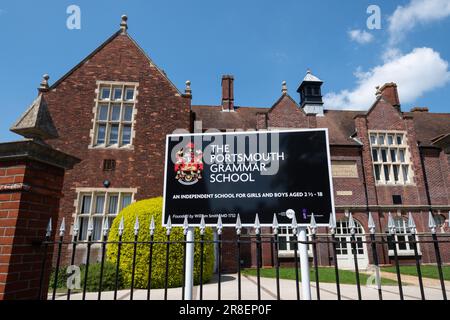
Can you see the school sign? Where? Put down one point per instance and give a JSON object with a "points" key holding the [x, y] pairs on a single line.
{"points": [[248, 173]]}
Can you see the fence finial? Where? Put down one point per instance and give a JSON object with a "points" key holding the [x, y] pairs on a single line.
{"points": [[219, 225], [238, 225], [136, 226], [202, 225], [431, 223], [121, 226], [76, 227], [105, 227], [351, 224], [332, 224], [294, 225], [62, 228], [411, 224], [185, 225], [391, 224], [168, 226], [371, 224], [90, 229], [48, 231], [257, 225], [313, 224], [275, 224], [152, 226]]}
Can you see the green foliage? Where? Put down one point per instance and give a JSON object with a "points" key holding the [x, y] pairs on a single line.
{"points": [[144, 210], [93, 278]]}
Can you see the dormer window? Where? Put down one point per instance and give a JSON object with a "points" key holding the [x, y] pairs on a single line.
{"points": [[114, 115]]}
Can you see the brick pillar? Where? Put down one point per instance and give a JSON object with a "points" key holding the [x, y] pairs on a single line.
{"points": [[31, 179]]}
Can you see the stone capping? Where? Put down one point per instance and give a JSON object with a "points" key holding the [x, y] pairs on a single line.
{"points": [[38, 151]]}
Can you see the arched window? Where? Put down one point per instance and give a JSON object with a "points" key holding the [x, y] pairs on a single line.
{"points": [[439, 219], [401, 239], [287, 244]]}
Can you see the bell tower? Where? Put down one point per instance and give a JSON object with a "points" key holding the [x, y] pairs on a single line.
{"points": [[311, 94]]}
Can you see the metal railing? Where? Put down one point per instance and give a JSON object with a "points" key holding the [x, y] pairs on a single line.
{"points": [[374, 240]]}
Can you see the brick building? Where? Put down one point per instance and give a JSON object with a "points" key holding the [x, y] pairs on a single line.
{"points": [[114, 109]]}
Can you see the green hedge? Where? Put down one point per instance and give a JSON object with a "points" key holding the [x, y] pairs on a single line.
{"points": [[144, 210], [93, 278]]}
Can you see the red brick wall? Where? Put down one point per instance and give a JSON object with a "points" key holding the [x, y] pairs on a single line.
{"points": [[24, 215], [160, 110], [287, 114]]}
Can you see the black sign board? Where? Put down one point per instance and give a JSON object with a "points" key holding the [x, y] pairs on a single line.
{"points": [[248, 173]]}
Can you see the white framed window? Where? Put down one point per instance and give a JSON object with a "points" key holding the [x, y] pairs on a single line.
{"points": [[401, 237], [390, 157], [99, 205], [114, 114], [344, 238], [287, 244]]}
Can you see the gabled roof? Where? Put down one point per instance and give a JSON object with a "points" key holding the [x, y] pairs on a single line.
{"points": [[99, 48]]}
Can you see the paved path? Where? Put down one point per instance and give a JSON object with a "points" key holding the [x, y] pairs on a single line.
{"points": [[268, 291]]}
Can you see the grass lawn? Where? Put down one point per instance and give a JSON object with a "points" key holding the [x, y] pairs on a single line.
{"points": [[326, 275], [427, 271]]}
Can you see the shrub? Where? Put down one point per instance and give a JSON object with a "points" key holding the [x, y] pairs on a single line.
{"points": [[93, 279], [144, 210]]}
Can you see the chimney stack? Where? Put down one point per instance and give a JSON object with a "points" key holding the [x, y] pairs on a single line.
{"points": [[389, 92], [227, 93]]}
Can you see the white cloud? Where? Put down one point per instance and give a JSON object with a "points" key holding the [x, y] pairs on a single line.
{"points": [[415, 73], [360, 36], [405, 18]]}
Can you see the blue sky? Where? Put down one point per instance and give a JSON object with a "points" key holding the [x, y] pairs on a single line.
{"points": [[260, 42]]}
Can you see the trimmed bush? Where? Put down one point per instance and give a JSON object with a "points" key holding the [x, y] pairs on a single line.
{"points": [[93, 279], [144, 210]]}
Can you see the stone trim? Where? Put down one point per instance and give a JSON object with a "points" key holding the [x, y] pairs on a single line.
{"points": [[38, 151]]}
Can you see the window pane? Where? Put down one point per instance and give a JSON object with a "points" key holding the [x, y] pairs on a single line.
{"points": [[105, 93], [103, 112], [126, 200], [381, 139], [97, 232], [129, 94], [126, 135], [393, 155], [99, 204], [282, 243], [377, 172], [373, 139], [384, 155], [114, 134], [112, 209], [128, 113], [402, 243], [84, 222], [85, 204], [117, 93], [396, 170], [101, 134], [399, 139], [390, 140], [386, 172], [375, 155], [402, 155], [405, 173], [115, 112]]}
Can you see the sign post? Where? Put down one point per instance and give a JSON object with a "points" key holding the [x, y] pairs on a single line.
{"points": [[304, 263], [189, 271]]}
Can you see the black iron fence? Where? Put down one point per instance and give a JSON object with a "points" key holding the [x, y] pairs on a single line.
{"points": [[390, 240]]}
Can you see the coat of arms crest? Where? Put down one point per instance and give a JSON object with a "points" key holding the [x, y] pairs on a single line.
{"points": [[189, 165]]}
